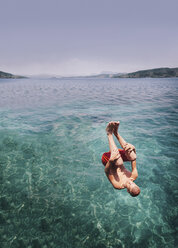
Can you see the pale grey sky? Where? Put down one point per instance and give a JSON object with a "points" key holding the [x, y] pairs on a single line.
{"points": [[79, 37]]}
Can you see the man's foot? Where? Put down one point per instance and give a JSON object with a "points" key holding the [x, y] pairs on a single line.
{"points": [[116, 126], [110, 127], [114, 155]]}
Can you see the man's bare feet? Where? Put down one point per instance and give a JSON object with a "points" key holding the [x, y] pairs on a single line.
{"points": [[114, 155], [109, 128], [116, 126], [112, 127]]}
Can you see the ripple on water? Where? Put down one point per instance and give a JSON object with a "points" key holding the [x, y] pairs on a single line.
{"points": [[53, 189]]}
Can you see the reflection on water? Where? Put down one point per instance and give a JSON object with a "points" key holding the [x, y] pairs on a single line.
{"points": [[53, 189]]}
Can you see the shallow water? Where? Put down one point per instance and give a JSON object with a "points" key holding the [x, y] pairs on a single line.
{"points": [[54, 192]]}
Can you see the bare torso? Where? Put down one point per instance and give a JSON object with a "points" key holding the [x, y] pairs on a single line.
{"points": [[119, 175]]}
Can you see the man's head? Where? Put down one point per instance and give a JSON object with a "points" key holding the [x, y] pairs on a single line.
{"points": [[132, 189]]}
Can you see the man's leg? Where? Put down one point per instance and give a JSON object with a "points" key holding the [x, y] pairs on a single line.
{"points": [[115, 154], [129, 149], [113, 127]]}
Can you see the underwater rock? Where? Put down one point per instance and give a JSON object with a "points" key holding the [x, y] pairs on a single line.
{"points": [[36, 243], [4, 205], [44, 225], [2, 219]]}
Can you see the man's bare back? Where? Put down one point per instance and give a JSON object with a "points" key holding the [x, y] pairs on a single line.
{"points": [[115, 170]]}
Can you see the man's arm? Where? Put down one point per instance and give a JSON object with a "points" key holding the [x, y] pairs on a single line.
{"points": [[134, 173]]}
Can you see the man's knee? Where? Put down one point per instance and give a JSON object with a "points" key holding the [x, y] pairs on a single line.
{"points": [[119, 161], [130, 152], [131, 156]]}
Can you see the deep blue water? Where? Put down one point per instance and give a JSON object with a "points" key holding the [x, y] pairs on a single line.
{"points": [[53, 190]]}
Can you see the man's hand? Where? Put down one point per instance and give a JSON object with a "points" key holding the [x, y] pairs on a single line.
{"points": [[114, 155], [129, 148]]}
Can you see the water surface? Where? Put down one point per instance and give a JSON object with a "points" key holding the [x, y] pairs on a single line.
{"points": [[54, 192]]}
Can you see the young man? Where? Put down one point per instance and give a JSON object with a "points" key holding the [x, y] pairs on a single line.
{"points": [[117, 174]]}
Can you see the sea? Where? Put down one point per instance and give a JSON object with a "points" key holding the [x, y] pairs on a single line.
{"points": [[53, 189]]}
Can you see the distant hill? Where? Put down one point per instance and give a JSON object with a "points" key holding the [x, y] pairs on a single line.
{"points": [[9, 75], [102, 75], [153, 73]]}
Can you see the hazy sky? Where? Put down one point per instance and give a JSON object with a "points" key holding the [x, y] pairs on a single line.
{"points": [[72, 37]]}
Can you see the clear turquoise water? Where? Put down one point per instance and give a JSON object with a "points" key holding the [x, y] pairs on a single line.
{"points": [[53, 190]]}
